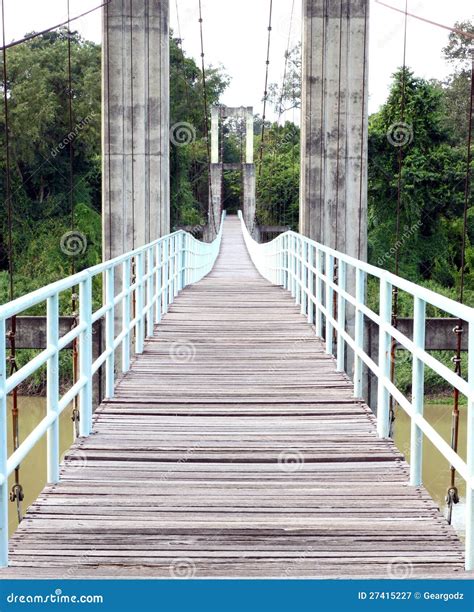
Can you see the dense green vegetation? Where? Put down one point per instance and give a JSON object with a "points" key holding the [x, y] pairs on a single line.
{"points": [[428, 247]]}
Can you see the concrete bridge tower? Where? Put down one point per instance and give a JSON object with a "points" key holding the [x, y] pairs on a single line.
{"points": [[333, 197], [135, 122]]}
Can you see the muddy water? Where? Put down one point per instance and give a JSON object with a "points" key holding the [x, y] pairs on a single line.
{"points": [[33, 468], [436, 473]]}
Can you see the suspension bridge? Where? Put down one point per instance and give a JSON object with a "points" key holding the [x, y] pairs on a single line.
{"points": [[233, 438], [233, 447]]}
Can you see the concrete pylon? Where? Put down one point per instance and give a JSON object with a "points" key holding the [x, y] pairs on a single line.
{"points": [[333, 195], [218, 166], [135, 124]]}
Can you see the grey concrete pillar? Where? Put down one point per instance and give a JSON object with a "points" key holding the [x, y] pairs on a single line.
{"points": [[333, 200], [215, 201], [135, 122], [249, 198], [334, 125], [249, 135], [215, 112]]}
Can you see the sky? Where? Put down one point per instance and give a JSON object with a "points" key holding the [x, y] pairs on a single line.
{"points": [[235, 36]]}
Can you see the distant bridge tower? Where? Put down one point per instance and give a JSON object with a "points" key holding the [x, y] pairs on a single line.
{"points": [[247, 167], [333, 196], [135, 122]]}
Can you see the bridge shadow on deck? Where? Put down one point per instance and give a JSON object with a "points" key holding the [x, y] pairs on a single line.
{"points": [[233, 448]]}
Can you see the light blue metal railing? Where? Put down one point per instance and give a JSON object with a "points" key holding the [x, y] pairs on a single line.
{"points": [[161, 269], [306, 269]]}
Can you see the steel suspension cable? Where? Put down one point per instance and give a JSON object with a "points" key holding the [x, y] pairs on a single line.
{"points": [[206, 122], [55, 27], [265, 91], [16, 494], [285, 69], [74, 293], [393, 344], [452, 496]]}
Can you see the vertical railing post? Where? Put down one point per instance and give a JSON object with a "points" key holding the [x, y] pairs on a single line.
{"points": [[85, 356], [52, 387], [126, 303], [110, 332], [140, 337], [164, 276], [294, 264], [329, 273], [177, 264], [311, 263], [470, 453], [3, 449], [172, 267], [286, 271], [341, 315], [304, 275], [299, 270], [319, 293], [183, 261], [359, 331], [290, 265], [158, 283], [418, 393], [150, 291], [383, 398]]}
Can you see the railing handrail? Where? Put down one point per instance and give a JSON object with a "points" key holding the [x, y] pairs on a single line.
{"points": [[162, 268], [37, 296], [306, 268]]}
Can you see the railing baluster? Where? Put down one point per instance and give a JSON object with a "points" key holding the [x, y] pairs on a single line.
{"points": [[470, 453], [52, 387], [110, 332], [177, 263], [164, 282], [85, 356], [140, 337], [319, 293], [341, 316], [310, 284], [418, 389], [3, 449], [150, 292], [126, 305], [359, 331], [383, 399], [304, 276], [329, 273], [183, 259], [158, 286]]}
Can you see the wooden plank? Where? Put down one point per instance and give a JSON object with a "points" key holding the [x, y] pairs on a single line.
{"points": [[234, 445]]}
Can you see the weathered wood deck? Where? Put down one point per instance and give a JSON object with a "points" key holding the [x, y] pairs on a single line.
{"points": [[233, 448]]}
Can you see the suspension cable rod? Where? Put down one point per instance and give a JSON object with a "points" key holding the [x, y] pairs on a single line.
{"points": [[55, 27], [206, 123], [265, 93]]}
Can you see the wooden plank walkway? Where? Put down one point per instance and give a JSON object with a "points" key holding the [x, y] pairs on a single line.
{"points": [[233, 448]]}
